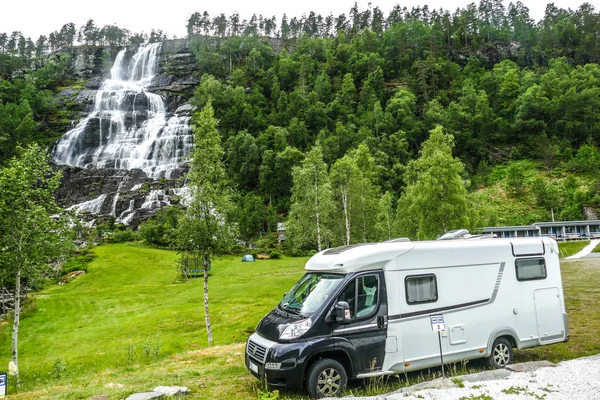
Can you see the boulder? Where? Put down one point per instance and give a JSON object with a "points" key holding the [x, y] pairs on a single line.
{"points": [[95, 83], [529, 366], [186, 109], [146, 396], [172, 391]]}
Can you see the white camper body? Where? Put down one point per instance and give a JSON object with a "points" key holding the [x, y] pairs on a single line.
{"points": [[366, 310], [478, 292]]}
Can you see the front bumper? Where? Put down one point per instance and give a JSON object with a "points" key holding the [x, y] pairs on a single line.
{"points": [[277, 364]]}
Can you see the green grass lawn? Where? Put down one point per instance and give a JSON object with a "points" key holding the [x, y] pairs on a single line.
{"points": [[125, 327], [567, 249], [127, 315]]}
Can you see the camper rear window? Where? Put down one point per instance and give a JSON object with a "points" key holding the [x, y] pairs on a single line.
{"points": [[421, 289], [529, 269]]}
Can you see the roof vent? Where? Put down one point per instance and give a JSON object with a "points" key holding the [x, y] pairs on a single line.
{"points": [[455, 234]]}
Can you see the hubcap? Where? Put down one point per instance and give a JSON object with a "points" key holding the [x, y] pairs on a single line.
{"points": [[329, 382], [501, 354]]}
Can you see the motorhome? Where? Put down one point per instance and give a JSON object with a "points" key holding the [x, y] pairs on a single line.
{"points": [[374, 309]]}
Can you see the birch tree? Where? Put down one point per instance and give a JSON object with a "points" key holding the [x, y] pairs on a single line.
{"points": [[435, 200], [385, 217], [312, 203], [355, 195], [343, 175], [205, 230], [32, 233], [365, 194]]}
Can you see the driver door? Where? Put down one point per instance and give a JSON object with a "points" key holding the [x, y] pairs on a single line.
{"points": [[364, 337]]}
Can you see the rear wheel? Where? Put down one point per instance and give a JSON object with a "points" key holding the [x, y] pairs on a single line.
{"points": [[326, 378], [502, 354]]}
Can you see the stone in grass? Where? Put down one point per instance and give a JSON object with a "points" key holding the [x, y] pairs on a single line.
{"points": [[529, 366], [146, 396], [172, 391]]}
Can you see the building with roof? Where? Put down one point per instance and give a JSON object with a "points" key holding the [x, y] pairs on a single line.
{"points": [[559, 230]]}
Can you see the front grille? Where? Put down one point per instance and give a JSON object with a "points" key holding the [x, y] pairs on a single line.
{"points": [[256, 351]]}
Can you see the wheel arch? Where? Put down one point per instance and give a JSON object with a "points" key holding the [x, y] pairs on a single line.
{"points": [[338, 355], [503, 332]]}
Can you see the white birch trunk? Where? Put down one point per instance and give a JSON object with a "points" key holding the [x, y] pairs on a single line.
{"points": [[364, 216], [346, 216], [206, 312], [15, 332]]}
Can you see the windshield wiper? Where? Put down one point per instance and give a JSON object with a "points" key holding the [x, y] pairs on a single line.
{"points": [[287, 307]]}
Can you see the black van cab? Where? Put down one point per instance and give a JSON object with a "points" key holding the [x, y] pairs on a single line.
{"points": [[329, 327]]}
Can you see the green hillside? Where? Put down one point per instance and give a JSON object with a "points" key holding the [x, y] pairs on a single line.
{"points": [[506, 88], [523, 192]]}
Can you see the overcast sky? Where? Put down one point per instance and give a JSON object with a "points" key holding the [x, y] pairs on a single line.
{"points": [[40, 17]]}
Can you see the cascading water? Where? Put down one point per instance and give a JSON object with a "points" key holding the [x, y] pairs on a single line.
{"points": [[129, 127], [93, 206]]}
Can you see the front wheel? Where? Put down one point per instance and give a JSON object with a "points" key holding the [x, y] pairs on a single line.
{"points": [[326, 378], [502, 354]]}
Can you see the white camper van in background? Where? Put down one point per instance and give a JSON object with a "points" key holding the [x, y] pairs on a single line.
{"points": [[364, 310]]}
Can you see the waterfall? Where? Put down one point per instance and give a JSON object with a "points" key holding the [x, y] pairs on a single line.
{"points": [[129, 127], [93, 206], [155, 199], [128, 214]]}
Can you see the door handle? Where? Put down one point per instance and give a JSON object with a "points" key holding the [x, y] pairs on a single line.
{"points": [[382, 321]]}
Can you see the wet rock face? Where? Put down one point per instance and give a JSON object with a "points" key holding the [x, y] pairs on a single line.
{"points": [[129, 196], [79, 185]]}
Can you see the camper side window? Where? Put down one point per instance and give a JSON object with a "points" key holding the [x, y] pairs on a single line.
{"points": [[529, 269], [421, 289], [361, 295]]}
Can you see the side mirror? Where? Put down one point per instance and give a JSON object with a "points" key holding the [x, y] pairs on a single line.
{"points": [[341, 312]]}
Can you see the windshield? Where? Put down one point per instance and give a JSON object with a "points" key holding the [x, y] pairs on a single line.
{"points": [[310, 293]]}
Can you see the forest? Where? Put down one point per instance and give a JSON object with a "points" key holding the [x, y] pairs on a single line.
{"points": [[396, 115]]}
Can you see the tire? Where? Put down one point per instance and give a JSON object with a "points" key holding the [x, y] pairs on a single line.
{"points": [[326, 378], [502, 354]]}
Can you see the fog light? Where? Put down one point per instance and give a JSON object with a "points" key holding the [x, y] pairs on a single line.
{"points": [[273, 366]]}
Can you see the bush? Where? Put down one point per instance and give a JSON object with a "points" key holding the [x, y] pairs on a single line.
{"points": [[124, 236], [160, 231], [275, 255], [78, 262]]}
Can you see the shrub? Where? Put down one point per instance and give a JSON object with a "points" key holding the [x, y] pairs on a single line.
{"points": [[78, 262], [124, 236], [275, 255], [160, 231]]}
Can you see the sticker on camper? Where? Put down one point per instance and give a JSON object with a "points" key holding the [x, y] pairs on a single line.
{"points": [[437, 323], [347, 314]]}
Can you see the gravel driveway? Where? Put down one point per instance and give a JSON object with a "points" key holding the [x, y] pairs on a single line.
{"points": [[577, 379]]}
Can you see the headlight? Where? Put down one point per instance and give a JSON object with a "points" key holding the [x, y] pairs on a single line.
{"points": [[296, 329]]}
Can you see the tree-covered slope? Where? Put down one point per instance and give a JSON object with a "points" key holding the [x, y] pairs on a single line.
{"points": [[506, 88]]}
